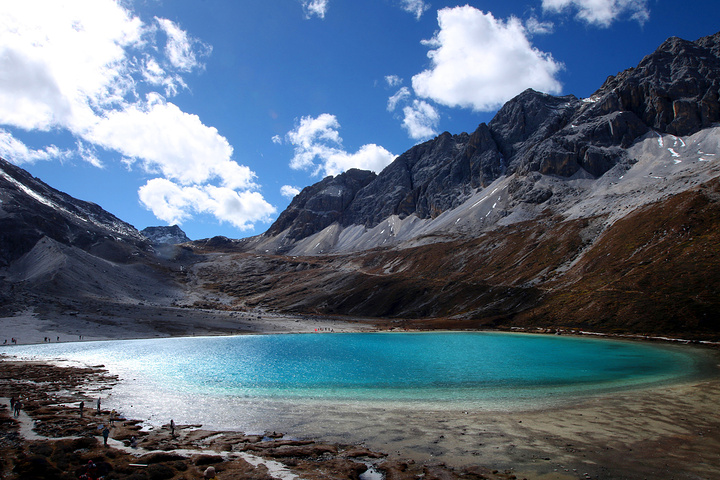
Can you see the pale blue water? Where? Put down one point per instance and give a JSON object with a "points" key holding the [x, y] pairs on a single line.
{"points": [[205, 379]]}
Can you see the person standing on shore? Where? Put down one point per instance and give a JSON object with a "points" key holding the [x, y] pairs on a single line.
{"points": [[98, 406], [12, 404], [82, 405], [105, 434], [16, 408]]}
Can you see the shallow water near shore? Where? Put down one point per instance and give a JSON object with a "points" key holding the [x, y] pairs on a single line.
{"points": [[253, 381]]}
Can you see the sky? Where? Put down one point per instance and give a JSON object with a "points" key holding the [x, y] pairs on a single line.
{"points": [[213, 114]]}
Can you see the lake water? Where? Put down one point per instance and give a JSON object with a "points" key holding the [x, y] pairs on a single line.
{"points": [[250, 381]]}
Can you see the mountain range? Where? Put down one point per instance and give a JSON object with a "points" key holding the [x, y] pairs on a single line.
{"points": [[596, 213]]}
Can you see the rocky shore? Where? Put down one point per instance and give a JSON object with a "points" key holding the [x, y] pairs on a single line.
{"points": [[51, 439]]}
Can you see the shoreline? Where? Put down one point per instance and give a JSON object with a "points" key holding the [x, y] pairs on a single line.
{"points": [[644, 433], [653, 432], [31, 328]]}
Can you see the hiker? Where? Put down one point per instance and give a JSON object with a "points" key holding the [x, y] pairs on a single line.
{"points": [[17, 408], [105, 434]]}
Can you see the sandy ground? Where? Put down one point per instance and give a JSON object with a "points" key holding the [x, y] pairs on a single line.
{"points": [[127, 321], [662, 432]]}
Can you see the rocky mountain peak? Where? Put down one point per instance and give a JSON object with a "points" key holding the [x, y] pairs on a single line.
{"points": [[171, 235], [674, 90], [321, 204]]}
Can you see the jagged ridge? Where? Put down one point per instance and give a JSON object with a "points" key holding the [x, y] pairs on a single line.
{"points": [[674, 90]]}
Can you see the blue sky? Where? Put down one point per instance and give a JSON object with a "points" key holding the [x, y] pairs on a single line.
{"points": [[212, 114]]}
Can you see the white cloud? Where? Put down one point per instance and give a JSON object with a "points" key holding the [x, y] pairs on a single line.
{"points": [[175, 203], [77, 66], [180, 48], [15, 151], [421, 120], [171, 142], [536, 27], [316, 8], [601, 12], [88, 154], [289, 191], [480, 62], [393, 80], [277, 139], [400, 96], [318, 147], [416, 7]]}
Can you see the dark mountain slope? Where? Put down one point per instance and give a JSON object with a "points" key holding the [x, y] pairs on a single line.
{"points": [[653, 272], [31, 210]]}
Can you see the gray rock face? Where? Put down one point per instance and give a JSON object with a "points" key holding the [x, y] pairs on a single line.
{"points": [[674, 90], [171, 235], [321, 204]]}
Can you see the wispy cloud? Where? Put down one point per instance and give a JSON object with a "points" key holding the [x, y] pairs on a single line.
{"points": [[393, 80], [318, 147], [536, 27], [91, 68], [17, 152], [416, 7], [480, 62], [314, 8], [601, 12], [400, 96]]}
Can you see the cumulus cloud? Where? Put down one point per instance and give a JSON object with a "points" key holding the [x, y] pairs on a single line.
{"points": [[318, 147], [175, 203], [79, 66], [314, 8], [416, 7], [421, 120], [601, 12], [480, 62], [289, 191]]}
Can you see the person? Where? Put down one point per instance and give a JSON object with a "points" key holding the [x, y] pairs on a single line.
{"points": [[172, 427], [17, 408], [12, 404], [82, 405], [113, 414], [133, 442], [209, 474], [106, 434], [98, 405]]}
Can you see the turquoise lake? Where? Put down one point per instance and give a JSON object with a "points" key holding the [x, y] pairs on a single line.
{"points": [[386, 388], [430, 367]]}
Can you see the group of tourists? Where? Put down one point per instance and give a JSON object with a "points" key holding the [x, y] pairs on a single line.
{"points": [[15, 406], [13, 341]]}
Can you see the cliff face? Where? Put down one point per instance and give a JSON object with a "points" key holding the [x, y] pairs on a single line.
{"points": [[674, 90]]}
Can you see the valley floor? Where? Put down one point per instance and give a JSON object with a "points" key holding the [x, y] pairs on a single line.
{"points": [[661, 432]]}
